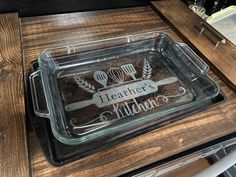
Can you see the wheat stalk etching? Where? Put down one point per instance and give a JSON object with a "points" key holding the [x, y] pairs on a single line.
{"points": [[147, 70], [85, 85]]}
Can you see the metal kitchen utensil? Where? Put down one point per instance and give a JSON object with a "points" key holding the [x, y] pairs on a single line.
{"points": [[199, 10], [116, 74], [101, 77], [151, 87], [129, 70]]}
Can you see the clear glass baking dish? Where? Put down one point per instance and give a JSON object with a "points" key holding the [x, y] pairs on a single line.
{"points": [[104, 90]]}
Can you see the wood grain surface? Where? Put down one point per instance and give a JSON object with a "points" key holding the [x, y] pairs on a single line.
{"points": [[187, 23], [13, 143], [40, 33]]}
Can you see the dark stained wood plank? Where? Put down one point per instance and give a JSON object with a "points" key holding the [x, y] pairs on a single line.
{"points": [[13, 143], [57, 30], [40, 33], [186, 22]]}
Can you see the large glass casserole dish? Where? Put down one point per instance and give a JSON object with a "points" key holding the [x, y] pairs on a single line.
{"points": [[105, 90]]}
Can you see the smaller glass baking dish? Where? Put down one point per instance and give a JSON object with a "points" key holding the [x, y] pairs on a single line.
{"points": [[101, 91]]}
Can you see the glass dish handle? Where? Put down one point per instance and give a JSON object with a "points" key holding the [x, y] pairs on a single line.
{"points": [[194, 58], [35, 92]]}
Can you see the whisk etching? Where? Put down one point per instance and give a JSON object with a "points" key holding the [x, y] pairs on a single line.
{"points": [[116, 74]]}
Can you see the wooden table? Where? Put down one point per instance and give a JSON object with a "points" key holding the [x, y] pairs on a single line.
{"points": [[39, 33], [13, 143]]}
